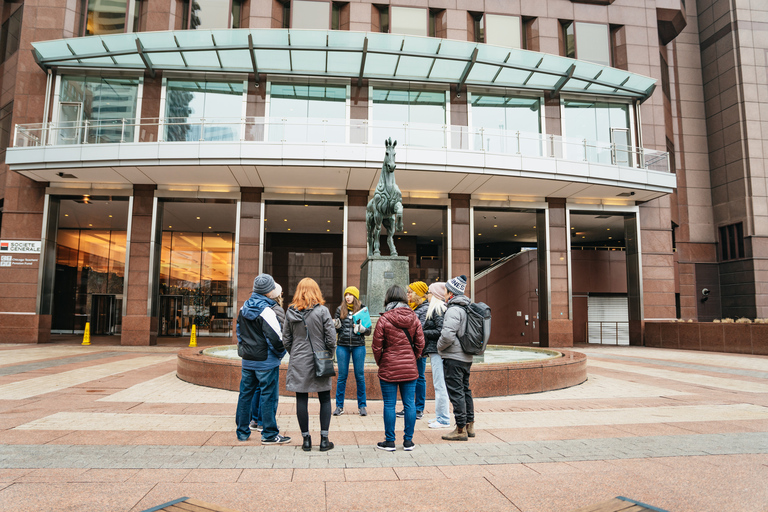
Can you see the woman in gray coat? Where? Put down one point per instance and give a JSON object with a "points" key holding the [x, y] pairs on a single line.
{"points": [[308, 328]]}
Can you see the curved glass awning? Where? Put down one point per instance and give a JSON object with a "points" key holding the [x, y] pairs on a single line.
{"points": [[345, 54]]}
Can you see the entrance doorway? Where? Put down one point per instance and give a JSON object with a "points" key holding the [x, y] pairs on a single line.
{"points": [[171, 315]]}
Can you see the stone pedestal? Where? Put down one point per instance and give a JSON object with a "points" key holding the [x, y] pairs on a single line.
{"points": [[377, 274]]}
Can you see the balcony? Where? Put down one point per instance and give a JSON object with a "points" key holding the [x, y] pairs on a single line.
{"points": [[41, 149]]}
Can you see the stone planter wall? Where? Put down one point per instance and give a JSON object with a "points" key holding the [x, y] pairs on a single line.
{"points": [[716, 337]]}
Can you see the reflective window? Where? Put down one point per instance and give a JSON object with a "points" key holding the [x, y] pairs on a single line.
{"points": [[501, 118], [311, 15], [198, 110], [211, 14], [415, 117], [105, 17], [587, 41], [307, 113], [600, 124], [10, 33], [6, 127], [502, 30], [409, 21], [96, 109]]}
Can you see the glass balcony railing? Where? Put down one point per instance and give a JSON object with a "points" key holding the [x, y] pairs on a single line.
{"points": [[337, 131]]}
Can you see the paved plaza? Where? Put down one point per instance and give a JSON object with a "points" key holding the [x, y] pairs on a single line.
{"points": [[111, 428]]}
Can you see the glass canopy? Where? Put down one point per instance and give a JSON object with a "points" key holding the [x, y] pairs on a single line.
{"points": [[341, 54]]}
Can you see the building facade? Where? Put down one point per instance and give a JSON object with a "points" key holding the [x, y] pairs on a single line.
{"points": [[590, 165]]}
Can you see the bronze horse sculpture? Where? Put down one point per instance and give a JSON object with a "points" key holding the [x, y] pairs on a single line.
{"points": [[386, 207]]}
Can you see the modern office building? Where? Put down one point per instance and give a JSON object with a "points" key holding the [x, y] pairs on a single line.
{"points": [[591, 165]]}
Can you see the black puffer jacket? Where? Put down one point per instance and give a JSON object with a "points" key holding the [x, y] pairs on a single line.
{"points": [[346, 334], [432, 328]]}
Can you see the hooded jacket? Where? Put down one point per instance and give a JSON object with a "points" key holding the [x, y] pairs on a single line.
{"points": [[421, 312], [347, 336], [259, 334], [318, 324], [433, 327], [454, 324], [391, 349]]}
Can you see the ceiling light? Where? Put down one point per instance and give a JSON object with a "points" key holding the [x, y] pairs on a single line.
{"points": [[169, 227], [327, 229], [534, 227], [289, 229], [479, 234], [285, 220], [608, 229], [209, 227], [515, 235], [573, 228], [329, 220], [405, 232], [583, 237], [90, 225], [431, 240], [198, 218], [610, 238], [66, 215], [495, 226], [110, 216], [413, 223]]}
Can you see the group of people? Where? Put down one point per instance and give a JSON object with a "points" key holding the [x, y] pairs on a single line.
{"points": [[417, 323]]}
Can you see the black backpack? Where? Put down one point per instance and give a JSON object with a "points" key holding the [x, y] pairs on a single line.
{"points": [[477, 328]]}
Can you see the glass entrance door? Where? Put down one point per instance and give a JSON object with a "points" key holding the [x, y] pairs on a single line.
{"points": [[103, 314], [171, 315]]}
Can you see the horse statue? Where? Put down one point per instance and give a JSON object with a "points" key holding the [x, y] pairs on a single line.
{"points": [[386, 207]]}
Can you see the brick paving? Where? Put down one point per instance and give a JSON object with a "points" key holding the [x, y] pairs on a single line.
{"points": [[681, 430]]}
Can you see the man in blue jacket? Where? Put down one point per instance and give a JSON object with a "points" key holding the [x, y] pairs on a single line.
{"points": [[260, 345]]}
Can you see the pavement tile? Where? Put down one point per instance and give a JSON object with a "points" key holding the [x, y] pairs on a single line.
{"points": [[318, 475], [82, 497], [213, 475], [105, 475], [370, 474], [9, 475], [159, 475], [52, 475], [266, 475], [419, 473]]}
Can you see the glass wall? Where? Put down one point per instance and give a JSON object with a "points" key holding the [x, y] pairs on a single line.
{"points": [[501, 118], [90, 265], [307, 113], [199, 110], [503, 30], [196, 262], [311, 15], [96, 109], [600, 124], [416, 118]]}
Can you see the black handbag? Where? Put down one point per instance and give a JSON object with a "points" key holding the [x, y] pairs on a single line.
{"points": [[323, 358]]}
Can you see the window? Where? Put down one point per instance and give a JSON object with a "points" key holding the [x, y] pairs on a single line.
{"points": [[340, 16], [211, 14], [424, 112], [409, 21], [307, 113], [6, 115], [478, 27], [502, 30], [10, 33], [732, 242], [199, 110], [501, 118], [105, 16], [311, 15], [601, 125], [665, 76], [587, 41], [101, 102], [437, 23], [383, 17], [286, 14]]}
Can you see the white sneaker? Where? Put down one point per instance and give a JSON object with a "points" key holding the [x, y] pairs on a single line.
{"points": [[437, 424]]}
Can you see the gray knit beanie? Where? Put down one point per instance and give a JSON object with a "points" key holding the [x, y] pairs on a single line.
{"points": [[263, 284], [457, 285]]}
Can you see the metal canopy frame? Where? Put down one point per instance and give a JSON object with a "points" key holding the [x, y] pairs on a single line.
{"points": [[341, 54]]}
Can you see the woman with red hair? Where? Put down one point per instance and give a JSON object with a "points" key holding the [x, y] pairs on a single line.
{"points": [[309, 328]]}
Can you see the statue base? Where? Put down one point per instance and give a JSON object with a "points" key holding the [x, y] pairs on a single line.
{"points": [[377, 274]]}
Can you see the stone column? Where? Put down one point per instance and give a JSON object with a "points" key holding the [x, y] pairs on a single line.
{"points": [[357, 235], [139, 324], [250, 242], [555, 319], [460, 239]]}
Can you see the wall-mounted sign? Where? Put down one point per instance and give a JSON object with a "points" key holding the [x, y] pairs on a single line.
{"points": [[20, 246], [18, 261]]}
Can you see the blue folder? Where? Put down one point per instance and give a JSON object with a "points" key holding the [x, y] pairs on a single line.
{"points": [[363, 317]]}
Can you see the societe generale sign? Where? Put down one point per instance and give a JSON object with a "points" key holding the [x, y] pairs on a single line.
{"points": [[20, 246]]}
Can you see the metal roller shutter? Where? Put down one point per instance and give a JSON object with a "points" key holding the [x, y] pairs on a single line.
{"points": [[608, 320]]}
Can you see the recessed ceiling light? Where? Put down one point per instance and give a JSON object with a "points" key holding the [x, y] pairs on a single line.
{"points": [[90, 225], [110, 216], [169, 227], [479, 234], [608, 229], [198, 218], [610, 238], [285, 220], [431, 240], [495, 226], [209, 227], [66, 215], [327, 229], [289, 229], [515, 235], [413, 223], [573, 228], [329, 220], [405, 232], [306, 205], [583, 237], [534, 227]]}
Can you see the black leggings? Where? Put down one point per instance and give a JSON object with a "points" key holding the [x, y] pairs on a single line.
{"points": [[302, 413]]}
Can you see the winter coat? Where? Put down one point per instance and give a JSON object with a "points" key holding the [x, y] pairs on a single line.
{"points": [[432, 328], [301, 365], [421, 312], [259, 334], [391, 348], [454, 324], [347, 336]]}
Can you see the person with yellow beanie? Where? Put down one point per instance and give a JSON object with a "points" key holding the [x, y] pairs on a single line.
{"points": [[350, 344], [417, 300]]}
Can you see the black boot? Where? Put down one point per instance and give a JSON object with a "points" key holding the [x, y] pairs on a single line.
{"points": [[307, 445], [325, 444]]}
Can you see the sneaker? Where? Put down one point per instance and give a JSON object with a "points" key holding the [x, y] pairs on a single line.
{"points": [[419, 415], [363, 411], [339, 411], [243, 439], [400, 414], [408, 446], [278, 439], [388, 446], [256, 426], [437, 424]]}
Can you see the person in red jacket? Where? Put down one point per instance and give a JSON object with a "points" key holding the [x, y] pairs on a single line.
{"points": [[397, 341]]}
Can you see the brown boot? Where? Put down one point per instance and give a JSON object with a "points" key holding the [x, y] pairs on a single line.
{"points": [[471, 429], [458, 434]]}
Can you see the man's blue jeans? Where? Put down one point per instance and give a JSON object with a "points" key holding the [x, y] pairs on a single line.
{"points": [[267, 382], [358, 362], [389, 394], [421, 384], [256, 406]]}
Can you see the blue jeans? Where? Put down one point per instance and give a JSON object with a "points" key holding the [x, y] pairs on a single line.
{"points": [[267, 381], [389, 394], [358, 362], [256, 406], [441, 393], [421, 384]]}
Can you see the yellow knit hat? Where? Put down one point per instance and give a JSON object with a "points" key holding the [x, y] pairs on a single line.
{"points": [[419, 287], [353, 290]]}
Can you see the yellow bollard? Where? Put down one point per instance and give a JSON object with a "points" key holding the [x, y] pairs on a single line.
{"points": [[87, 334], [193, 338]]}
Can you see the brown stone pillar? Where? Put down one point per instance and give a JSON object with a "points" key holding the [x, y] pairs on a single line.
{"points": [[20, 320], [357, 235], [249, 244], [556, 314], [139, 324], [460, 239]]}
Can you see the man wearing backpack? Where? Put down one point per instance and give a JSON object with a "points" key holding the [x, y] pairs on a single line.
{"points": [[456, 362]]}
